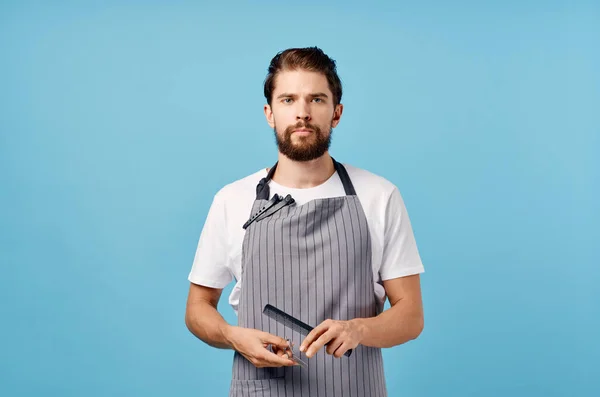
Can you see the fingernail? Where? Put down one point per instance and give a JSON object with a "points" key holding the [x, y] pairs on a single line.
{"points": [[302, 348]]}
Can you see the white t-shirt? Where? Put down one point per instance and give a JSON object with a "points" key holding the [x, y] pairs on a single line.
{"points": [[218, 256]]}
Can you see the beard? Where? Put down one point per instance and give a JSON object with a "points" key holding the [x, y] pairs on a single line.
{"points": [[306, 148]]}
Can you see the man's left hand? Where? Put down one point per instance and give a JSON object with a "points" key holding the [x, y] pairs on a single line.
{"points": [[339, 336]]}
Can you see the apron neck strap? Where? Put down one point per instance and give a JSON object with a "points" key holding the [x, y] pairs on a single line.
{"points": [[348, 186], [262, 189]]}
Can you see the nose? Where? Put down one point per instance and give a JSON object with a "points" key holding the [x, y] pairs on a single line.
{"points": [[303, 111]]}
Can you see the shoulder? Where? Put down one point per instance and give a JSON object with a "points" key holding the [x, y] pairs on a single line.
{"points": [[368, 181], [240, 188], [232, 204], [378, 195]]}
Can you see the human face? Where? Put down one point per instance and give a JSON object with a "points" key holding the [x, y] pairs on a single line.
{"points": [[303, 114]]}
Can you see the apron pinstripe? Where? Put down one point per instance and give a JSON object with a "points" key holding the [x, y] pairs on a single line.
{"points": [[314, 262]]}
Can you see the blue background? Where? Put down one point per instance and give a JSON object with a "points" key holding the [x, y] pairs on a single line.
{"points": [[120, 120]]}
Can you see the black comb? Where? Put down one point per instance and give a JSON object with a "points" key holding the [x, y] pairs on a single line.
{"points": [[292, 322]]}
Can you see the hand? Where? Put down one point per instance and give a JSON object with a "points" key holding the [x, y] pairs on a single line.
{"points": [[285, 353], [339, 336], [253, 344]]}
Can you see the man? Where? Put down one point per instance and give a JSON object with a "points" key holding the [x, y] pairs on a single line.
{"points": [[324, 242]]}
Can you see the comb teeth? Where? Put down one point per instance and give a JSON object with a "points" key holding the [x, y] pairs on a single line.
{"points": [[287, 320]]}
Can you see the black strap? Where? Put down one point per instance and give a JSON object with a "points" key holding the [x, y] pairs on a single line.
{"points": [[262, 189], [348, 186], [263, 192]]}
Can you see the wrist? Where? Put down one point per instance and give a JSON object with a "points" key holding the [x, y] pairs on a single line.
{"points": [[361, 326], [226, 331]]}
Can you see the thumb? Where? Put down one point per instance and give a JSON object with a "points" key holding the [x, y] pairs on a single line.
{"points": [[275, 340]]}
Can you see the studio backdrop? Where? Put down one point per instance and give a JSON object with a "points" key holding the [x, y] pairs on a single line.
{"points": [[119, 121]]}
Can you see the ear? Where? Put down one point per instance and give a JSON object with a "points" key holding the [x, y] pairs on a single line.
{"points": [[269, 115], [337, 115]]}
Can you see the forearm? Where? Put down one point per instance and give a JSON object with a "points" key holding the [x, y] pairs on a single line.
{"points": [[394, 326], [207, 324]]}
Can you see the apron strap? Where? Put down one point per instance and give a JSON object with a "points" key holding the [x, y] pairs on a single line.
{"points": [[348, 186], [263, 192], [262, 189]]}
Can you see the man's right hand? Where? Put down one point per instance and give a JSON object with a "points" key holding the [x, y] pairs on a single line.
{"points": [[253, 344]]}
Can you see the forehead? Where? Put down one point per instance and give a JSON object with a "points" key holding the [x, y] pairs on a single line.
{"points": [[300, 82]]}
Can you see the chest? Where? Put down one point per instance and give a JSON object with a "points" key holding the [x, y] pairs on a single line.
{"points": [[330, 226]]}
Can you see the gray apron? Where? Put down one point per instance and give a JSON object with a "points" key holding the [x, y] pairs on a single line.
{"points": [[312, 261]]}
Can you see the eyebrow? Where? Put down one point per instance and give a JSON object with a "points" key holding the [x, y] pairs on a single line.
{"points": [[314, 95]]}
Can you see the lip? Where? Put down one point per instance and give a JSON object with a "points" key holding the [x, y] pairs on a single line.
{"points": [[303, 130]]}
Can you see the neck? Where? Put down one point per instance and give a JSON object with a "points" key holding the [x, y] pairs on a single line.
{"points": [[303, 174]]}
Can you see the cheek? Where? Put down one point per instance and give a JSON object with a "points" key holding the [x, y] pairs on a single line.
{"points": [[280, 114], [284, 118], [324, 113], [324, 118]]}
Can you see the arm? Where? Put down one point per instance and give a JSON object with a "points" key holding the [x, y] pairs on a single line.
{"points": [[206, 323], [210, 267], [402, 322], [202, 318]]}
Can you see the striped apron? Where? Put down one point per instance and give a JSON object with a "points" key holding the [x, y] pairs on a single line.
{"points": [[312, 261]]}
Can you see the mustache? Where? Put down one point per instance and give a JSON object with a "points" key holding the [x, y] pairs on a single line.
{"points": [[301, 124]]}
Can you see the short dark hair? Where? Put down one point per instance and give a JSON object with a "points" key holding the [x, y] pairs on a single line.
{"points": [[310, 58]]}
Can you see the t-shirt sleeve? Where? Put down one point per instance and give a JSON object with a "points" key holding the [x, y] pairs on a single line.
{"points": [[400, 253], [211, 261]]}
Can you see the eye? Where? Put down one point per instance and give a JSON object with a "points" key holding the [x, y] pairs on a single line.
{"points": [[318, 100], [287, 100]]}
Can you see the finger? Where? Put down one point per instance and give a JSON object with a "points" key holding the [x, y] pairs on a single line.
{"points": [[283, 353], [273, 360], [319, 343], [314, 334], [333, 345], [275, 340], [343, 348]]}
